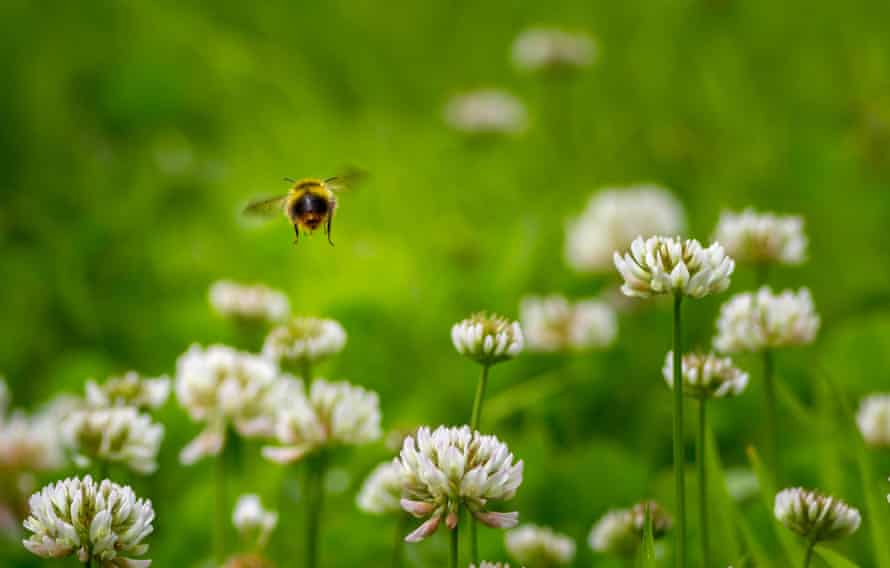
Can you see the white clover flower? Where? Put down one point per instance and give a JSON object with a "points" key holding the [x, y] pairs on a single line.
{"points": [[487, 564], [487, 338], [741, 483], [332, 414], [382, 490], [873, 420], [544, 49], [764, 320], [539, 546], [114, 435], [619, 532], [248, 303], [305, 339], [706, 375], [815, 516], [29, 443], [455, 467], [762, 238], [487, 111], [551, 324], [220, 386], [613, 218], [131, 389], [664, 265], [252, 521], [102, 523]]}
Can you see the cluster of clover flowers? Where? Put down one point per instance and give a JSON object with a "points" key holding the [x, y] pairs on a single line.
{"points": [[456, 476]]}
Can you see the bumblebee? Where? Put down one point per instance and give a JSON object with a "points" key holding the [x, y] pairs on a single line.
{"points": [[308, 205]]}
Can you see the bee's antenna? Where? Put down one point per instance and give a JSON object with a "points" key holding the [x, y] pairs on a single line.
{"points": [[290, 180]]}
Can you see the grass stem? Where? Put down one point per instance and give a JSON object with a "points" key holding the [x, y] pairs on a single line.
{"points": [[679, 462]]}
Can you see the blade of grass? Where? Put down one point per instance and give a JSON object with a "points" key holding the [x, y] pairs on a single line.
{"points": [[791, 548], [754, 546], [648, 552], [723, 510], [834, 559]]}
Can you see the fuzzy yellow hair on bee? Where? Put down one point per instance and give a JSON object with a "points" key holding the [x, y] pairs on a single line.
{"points": [[308, 205]]}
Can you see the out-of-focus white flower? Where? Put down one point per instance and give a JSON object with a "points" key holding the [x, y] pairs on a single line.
{"points": [[552, 324], [332, 414], [613, 218], [255, 303], [220, 386], [873, 420], [619, 532], [742, 484], [539, 546], [29, 443], [382, 490], [487, 338], [762, 238], [706, 375], [664, 265], [103, 523], [487, 111], [487, 564], [115, 435], [131, 389], [454, 467], [544, 49], [305, 339], [815, 516], [249, 561], [764, 320], [253, 521]]}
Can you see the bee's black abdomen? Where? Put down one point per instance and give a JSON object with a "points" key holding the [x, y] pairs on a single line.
{"points": [[309, 203]]}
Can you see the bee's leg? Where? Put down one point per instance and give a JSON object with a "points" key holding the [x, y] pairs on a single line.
{"points": [[327, 229], [297, 233]]}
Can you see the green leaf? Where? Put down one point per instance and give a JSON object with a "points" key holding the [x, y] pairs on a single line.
{"points": [[834, 559], [791, 548], [648, 553], [723, 510], [755, 548]]}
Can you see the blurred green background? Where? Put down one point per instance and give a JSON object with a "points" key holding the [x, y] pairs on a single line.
{"points": [[133, 133]]}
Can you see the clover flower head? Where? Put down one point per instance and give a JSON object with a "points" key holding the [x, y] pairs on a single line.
{"points": [[220, 385], [539, 546], [664, 265], [487, 338], [305, 339], [873, 420], [382, 490], [130, 389], [620, 531], [742, 484], [487, 564], [102, 522], [613, 218], [705, 375], [545, 49], [114, 435], [754, 321], [29, 443], [487, 111], [453, 467], [255, 303], [552, 324], [762, 238], [815, 516], [331, 414], [252, 521]]}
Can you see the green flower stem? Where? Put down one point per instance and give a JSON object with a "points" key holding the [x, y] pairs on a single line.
{"points": [[306, 370], [398, 545], [474, 425], [222, 510], [772, 427], [679, 463], [453, 558], [809, 554], [703, 482], [314, 503]]}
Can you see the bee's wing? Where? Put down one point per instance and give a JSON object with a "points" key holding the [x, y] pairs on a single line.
{"points": [[349, 179], [266, 207]]}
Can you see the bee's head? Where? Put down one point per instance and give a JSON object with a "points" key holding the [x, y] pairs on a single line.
{"points": [[310, 210]]}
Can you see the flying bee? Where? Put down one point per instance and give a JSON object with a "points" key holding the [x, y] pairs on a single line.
{"points": [[308, 205]]}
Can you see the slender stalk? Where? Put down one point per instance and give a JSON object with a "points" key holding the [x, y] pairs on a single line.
{"points": [[475, 420], [306, 370], [398, 545], [809, 554], [772, 427], [679, 462], [703, 483], [453, 558], [314, 504], [222, 511]]}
